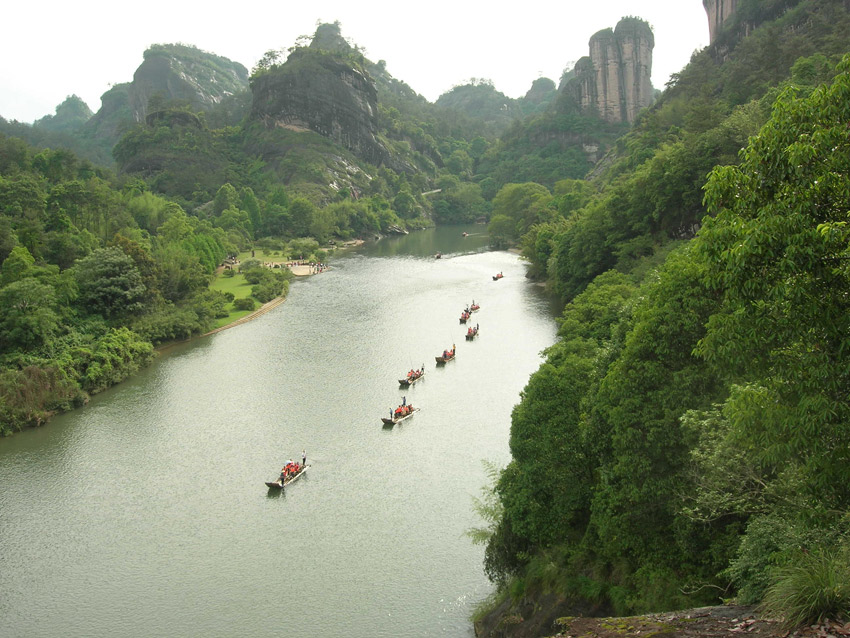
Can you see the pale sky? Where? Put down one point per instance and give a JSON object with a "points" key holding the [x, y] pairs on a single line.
{"points": [[50, 49]]}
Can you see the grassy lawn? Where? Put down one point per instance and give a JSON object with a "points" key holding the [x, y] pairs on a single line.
{"points": [[239, 288], [262, 255]]}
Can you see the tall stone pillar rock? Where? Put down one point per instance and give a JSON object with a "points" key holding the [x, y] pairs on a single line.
{"points": [[605, 56], [615, 79], [636, 44], [719, 12]]}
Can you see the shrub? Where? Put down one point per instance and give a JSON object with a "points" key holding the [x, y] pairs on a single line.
{"points": [[245, 303], [169, 324], [31, 395], [118, 354], [255, 275], [771, 542], [815, 587]]}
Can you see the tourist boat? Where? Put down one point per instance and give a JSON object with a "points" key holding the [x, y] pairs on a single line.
{"points": [[279, 484], [466, 234], [412, 378], [464, 316], [448, 355], [474, 307], [497, 277], [398, 419], [472, 333], [438, 256]]}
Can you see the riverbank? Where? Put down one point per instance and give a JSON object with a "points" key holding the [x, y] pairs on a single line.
{"points": [[297, 270], [703, 622], [274, 303]]}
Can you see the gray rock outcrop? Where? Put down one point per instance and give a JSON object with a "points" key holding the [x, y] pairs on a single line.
{"points": [[719, 12], [328, 93], [180, 72], [615, 79]]}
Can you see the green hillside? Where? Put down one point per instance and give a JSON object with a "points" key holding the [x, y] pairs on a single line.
{"points": [[685, 441]]}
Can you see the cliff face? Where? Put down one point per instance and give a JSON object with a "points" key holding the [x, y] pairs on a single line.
{"points": [[178, 72], [719, 12], [324, 92], [172, 72], [614, 81]]}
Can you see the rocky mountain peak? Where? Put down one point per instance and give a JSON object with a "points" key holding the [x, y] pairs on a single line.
{"points": [[181, 72], [614, 80], [324, 88]]}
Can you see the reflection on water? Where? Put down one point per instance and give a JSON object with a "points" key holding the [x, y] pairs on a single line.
{"points": [[446, 240], [146, 512]]}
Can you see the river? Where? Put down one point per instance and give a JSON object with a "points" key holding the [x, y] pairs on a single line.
{"points": [[145, 513]]}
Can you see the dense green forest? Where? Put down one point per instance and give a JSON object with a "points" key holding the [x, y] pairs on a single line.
{"points": [[96, 271], [686, 440]]}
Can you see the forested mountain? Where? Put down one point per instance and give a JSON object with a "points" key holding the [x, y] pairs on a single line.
{"points": [[174, 73], [686, 440]]}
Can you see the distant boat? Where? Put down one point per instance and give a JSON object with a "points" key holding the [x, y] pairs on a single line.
{"points": [[464, 316], [407, 412], [472, 333], [438, 256], [410, 379], [474, 307], [497, 277], [448, 355], [291, 478], [466, 234]]}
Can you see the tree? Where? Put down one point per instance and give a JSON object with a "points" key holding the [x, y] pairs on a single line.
{"points": [[501, 229], [147, 267], [527, 204], [459, 162], [8, 238], [180, 272], [29, 319], [301, 213], [778, 251], [404, 204], [19, 264], [250, 204], [225, 198], [176, 228], [109, 283], [63, 248], [323, 225], [21, 196]]}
